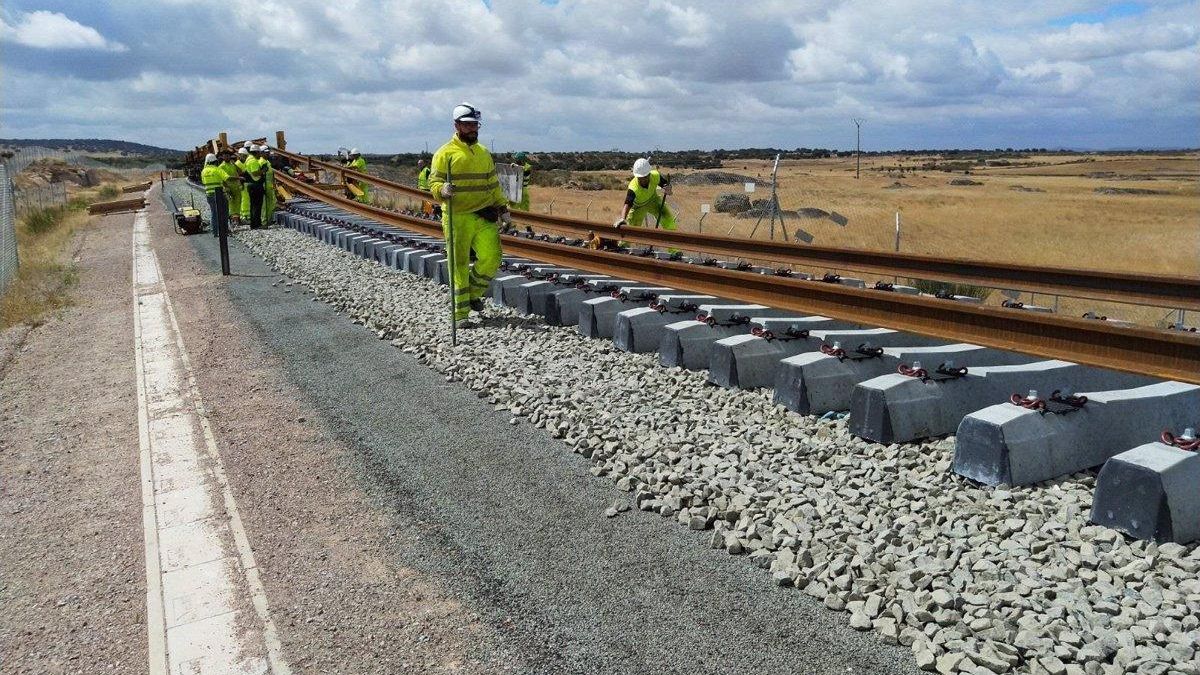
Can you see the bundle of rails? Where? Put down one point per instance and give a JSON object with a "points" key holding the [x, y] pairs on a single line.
{"points": [[1173, 355], [1165, 291]]}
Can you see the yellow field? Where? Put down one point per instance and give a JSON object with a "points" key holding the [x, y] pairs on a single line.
{"points": [[1061, 221]]}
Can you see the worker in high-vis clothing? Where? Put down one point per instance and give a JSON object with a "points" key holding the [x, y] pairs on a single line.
{"points": [[233, 182], [642, 198], [255, 186], [213, 178], [522, 160], [268, 171], [423, 175], [243, 200], [463, 178], [359, 164]]}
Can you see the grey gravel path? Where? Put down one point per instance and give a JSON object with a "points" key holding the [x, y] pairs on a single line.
{"points": [[514, 523]]}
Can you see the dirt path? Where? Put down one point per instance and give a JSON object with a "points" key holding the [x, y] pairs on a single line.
{"points": [[72, 578]]}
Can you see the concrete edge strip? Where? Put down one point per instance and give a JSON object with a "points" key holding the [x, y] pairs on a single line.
{"points": [[156, 625], [156, 601], [258, 593]]}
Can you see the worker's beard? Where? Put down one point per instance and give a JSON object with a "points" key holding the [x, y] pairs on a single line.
{"points": [[469, 136]]}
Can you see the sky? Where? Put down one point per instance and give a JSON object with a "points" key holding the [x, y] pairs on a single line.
{"points": [[383, 76]]}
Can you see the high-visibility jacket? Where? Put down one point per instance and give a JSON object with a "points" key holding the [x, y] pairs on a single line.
{"points": [[231, 174], [213, 178], [646, 196], [358, 164], [471, 169], [423, 179]]}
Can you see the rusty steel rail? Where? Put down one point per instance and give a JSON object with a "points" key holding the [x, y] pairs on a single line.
{"points": [[1173, 355], [117, 205], [1156, 290]]}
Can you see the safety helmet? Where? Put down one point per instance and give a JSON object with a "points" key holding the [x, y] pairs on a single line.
{"points": [[520, 156], [354, 151], [243, 151], [465, 112], [257, 148], [641, 167], [210, 158]]}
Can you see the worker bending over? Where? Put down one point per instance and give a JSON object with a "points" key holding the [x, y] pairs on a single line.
{"points": [[359, 164], [642, 198], [463, 178]]}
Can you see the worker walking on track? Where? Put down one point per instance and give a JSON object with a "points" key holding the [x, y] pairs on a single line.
{"points": [[463, 178], [359, 164], [521, 159], [642, 198], [214, 178]]}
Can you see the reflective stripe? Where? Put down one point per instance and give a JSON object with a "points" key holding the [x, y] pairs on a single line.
{"points": [[477, 188]]}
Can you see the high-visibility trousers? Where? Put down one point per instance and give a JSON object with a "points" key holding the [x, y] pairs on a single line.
{"points": [[235, 198], [523, 205], [471, 233], [366, 192], [244, 211], [638, 215], [269, 200]]}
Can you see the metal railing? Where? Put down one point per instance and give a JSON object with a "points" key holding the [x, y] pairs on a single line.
{"points": [[8, 230]]}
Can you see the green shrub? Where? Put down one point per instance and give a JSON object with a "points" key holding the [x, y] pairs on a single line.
{"points": [[44, 220], [109, 191]]}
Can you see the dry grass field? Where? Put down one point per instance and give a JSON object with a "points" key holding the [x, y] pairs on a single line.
{"points": [[1045, 210]]}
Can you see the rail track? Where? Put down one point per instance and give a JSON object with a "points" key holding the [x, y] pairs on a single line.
{"points": [[1167, 354], [1143, 289]]}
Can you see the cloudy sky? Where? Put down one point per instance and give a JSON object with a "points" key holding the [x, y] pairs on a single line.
{"points": [[599, 74]]}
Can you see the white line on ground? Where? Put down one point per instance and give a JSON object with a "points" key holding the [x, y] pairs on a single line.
{"points": [[200, 570]]}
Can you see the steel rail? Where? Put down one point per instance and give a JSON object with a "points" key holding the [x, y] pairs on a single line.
{"points": [[1173, 355], [1173, 292]]}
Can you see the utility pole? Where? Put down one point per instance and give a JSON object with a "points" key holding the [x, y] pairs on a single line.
{"points": [[857, 146]]}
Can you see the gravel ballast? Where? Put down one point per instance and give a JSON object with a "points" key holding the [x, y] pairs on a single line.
{"points": [[971, 579]]}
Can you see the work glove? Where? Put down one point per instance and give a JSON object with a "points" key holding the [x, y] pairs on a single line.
{"points": [[506, 219], [620, 223], [666, 189], [447, 190]]}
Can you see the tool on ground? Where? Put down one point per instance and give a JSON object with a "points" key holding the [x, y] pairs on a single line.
{"points": [[187, 219]]}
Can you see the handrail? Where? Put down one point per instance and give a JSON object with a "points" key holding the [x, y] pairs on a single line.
{"points": [[1141, 289]]}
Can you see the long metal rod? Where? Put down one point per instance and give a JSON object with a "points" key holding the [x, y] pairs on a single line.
{"points": [[1171, 355], [1141, 289]]}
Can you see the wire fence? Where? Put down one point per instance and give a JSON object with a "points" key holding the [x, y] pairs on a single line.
{"points": [[8, 229], [35, 199]]}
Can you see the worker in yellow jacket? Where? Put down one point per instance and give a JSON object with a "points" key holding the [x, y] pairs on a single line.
{"points": [[214, 178], [359, 164], [463, 178], [233, 182], [242, 213], [268, 172]]}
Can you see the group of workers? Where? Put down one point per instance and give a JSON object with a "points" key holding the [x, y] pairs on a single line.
{"points": [[240, 186]]}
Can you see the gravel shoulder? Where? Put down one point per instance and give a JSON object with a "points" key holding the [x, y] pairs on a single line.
{"points": [[72, 573], [504, 520]]}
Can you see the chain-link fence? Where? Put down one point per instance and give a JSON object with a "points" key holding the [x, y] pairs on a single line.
{"points": [[8, 229], [35, 199]]}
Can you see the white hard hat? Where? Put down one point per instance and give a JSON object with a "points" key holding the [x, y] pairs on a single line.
{"points": [[210, 158], [465, 112], [243, 151], [354, 151], [255, 148], [641, 167]]}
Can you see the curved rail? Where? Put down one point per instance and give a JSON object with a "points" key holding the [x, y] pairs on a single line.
{"points": [[1141, 289], [1171, 355]]}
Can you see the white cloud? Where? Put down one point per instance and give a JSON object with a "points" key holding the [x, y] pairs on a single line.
{"points": [[52, 30]]}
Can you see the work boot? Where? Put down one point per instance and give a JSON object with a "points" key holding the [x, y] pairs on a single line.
{"points": [[477, 305]]}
